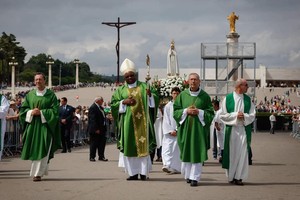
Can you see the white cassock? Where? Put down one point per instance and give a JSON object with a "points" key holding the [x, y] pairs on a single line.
{"points": [[238, 159], [158, 128], [220, 133], [170, 149], [3, 112]]}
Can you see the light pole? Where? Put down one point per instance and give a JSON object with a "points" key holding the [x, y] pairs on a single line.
{"points": [[60, 74], [13, 63], [77, 62], [50, 62]]}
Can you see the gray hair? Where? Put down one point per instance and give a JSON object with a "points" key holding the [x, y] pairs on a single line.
{"points": [[98, 98], [195, 74]]}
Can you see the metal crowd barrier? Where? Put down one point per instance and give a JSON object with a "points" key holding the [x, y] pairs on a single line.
{"points": [[79, 136], [110, 131], [295, 130], [12, 139]]}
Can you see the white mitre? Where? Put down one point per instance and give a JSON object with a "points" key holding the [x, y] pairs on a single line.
{"points": [[127, 66]]}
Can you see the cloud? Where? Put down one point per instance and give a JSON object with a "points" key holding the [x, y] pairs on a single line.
{"points": [[294, 56], [72, 29]]}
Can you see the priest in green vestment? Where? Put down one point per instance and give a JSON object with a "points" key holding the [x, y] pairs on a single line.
{"points": [[134, 107], [237, 113], [193, 112], [40, 121]]}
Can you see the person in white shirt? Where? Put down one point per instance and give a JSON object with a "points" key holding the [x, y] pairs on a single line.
{"points": [[170, 149], [272, 119], [218, 130]]}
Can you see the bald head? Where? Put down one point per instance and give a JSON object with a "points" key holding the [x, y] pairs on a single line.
{"points": [[241, 86]]}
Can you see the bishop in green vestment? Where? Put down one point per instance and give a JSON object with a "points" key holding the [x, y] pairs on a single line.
{"points": [[134, 107], [40, 121], [193, 112]]}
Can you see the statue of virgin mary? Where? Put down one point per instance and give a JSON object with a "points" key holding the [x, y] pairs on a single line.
{"points": [[172, 61]]}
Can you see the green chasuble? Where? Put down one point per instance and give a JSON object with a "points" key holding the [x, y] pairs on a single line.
{"points": [[192, 136], [132, 125], [37, 135]]}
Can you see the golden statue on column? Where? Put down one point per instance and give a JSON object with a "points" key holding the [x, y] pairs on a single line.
{"points": [[232, 18]]}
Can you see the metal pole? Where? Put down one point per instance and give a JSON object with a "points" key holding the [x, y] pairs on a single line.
{"points": [[50, 62], [60, 74], [13, 81], [50, 76], [77, 76], [13, 63], [77, 62]]}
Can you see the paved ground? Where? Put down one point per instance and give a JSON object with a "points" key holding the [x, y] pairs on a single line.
{"points": [[85, 96], [275, 174]]}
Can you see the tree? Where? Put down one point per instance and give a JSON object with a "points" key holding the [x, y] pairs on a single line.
{"points": [[9, 48]]}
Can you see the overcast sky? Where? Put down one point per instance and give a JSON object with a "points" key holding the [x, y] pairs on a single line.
{"points": [[69, 29]]}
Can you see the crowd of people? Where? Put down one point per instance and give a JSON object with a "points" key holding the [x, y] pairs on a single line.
{"points": [[30, 86], [277, 104]]}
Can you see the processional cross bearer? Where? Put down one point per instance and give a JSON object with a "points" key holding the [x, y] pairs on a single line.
{"points": [[118, 25]]}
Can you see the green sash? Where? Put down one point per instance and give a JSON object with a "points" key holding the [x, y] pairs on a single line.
{"points": [[230, 108]]}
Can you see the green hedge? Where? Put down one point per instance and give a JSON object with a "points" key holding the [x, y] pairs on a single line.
{"points": [[283, 121]]}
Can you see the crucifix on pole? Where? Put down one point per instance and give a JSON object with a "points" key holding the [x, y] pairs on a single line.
{"points": [[118, 25]]}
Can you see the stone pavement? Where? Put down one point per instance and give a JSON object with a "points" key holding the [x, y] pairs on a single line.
{"points": [[275, 174]]}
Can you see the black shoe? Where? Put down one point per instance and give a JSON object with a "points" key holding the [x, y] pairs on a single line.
{"points": [[194, 183], [159, 159], [188, 180], [69, 150], [103, 159], [133, 178], [92, 159], [233, 181], [143, 177], [239, 182], [63, 151], [220, 160]]}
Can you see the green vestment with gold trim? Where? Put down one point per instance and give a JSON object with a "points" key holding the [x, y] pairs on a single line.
{"points": [[133, 138]]}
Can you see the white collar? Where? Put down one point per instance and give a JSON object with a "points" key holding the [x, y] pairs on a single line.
{"points": [[41, 92], [238, 95], [195, 93], [133, 85]]}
